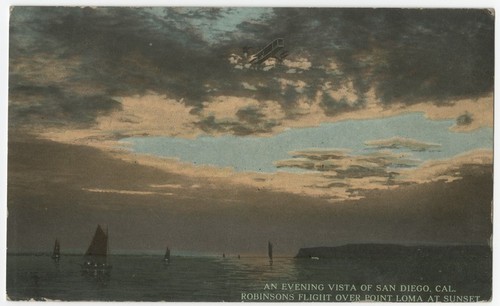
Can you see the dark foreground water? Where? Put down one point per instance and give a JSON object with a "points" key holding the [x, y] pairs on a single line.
{"points": [[147, 278]]}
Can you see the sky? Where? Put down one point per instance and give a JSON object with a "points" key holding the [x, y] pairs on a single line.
{"points": [[92, 55], [262, 154], [161, 107]]}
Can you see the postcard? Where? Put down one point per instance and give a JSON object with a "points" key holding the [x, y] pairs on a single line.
{"points": [[250, 154]]}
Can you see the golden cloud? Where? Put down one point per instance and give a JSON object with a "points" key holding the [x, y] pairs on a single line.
{"points": [[299, 63]]}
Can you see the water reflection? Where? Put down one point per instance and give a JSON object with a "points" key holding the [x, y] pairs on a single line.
{"points": [[34, 285], [147, 278], [99, 277]]}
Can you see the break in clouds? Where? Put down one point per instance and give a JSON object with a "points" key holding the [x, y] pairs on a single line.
{"points": [[68, 65]]}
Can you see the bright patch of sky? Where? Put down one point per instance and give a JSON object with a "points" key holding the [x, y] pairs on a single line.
{"points": [[214, 30], [251, 153]]}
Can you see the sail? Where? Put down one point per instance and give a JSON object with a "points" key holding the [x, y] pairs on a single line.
{"points": [[99, 244], [167, 254], [57, 249], [270, 250]]}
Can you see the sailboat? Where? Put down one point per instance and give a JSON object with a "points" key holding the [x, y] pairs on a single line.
{"points": [[270, 251], [96, 257], [166, 258], [56, 253]]}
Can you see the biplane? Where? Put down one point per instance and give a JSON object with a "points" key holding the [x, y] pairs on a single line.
{"points": [[273, 49]]}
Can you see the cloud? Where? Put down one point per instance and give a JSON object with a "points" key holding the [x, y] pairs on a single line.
{"points": [[446, 170], [251, 115], [248, 86], [340, 170], [297, 85], [342, 164], [344, 180], [479, 109], [148, 115], [401, 142], [299, 212], [333, 174], [54, 106], [298, 63], [239, 116], [226, 107], [333, 107], [174, 186], [346, 93], [125, 51], [374, 60], [465, 119], [129, 192], [321, 154], [404, 53], [420, 67]]}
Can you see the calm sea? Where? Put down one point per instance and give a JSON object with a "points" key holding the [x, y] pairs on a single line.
{"points": [[147, 278]]}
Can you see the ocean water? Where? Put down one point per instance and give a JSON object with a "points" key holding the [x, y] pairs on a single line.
{"points": [[147, 278]]}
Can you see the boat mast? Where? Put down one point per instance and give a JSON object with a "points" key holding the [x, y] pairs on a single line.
{"points": [[56, 251], [107, 244]]}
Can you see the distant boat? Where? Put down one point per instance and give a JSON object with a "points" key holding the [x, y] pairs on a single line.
{"points": [[166, 258], [96, 257], [56, 253], [270, 250]]}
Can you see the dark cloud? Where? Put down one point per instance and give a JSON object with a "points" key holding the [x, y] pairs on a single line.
{"points": [[209, 124], [345, 165], [406, 55], [321, 155], [448, 54], [362, 172], [250, 114], [465, 119], [54, 106], [351, 172], [251, 121], [409, 55], [333, 106], [289, 99], [252, 27], [124, 50], [401, 142], [210, 13]]}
